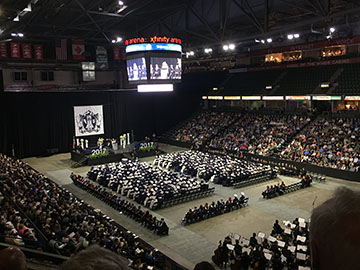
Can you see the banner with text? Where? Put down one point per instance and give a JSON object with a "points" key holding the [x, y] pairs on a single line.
{"points": [[3, 50], [89, 120], [26, 50], [101, 58], [38, 52], [15, 50]]}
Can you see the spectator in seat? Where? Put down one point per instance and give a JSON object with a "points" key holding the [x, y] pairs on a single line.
{"points": [[335, 232]]}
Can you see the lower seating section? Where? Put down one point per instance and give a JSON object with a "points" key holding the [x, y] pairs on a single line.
{"points": [[129, 209], [328, 142], [68, 223], [214, 209], [257, 133], [281, 189], [349, 81], [284, 248], [203, 126], [219, 169], [147, 185]]}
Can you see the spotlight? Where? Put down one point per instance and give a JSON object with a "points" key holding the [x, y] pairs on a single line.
{"points": [[28, 8], [226, 47], [263, 41], [191, 53], [13, 34], [20, 35], [257, 40], [118, 39], [232, 46], [113, 41], [16, 19], [121, 3], [208, 50], [332, 29], [296, 35], [290, 36], [269, 40], [328, 37]]}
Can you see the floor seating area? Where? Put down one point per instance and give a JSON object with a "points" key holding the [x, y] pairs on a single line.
{"points": [[287, 247], [282, 189], [148, 185], [129, 209], [219, 169], [209, 210]]}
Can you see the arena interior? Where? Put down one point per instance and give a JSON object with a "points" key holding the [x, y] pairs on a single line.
{"points": [[174, 133]]}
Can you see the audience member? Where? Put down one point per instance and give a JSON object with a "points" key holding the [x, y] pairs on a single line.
{"points": [[334, 232]]}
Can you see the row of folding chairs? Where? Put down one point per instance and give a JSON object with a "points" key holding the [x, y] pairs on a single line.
{"points": [[318, 177], [252, 181], [188, 197]]}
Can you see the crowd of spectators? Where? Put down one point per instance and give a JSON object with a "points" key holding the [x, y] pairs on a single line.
{"points": [[328, 142], [203, 126], [214, 209], [220, 169], [285, 248], [262, 134], [15, 229], [147, 185], [128, 208], [68, 223]]}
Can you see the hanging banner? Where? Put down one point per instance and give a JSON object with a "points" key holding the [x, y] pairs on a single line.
{"points": [[26, 50], [101, 58], [78, 49], [15, 50], [38, 52], [3, 50], [89, 120], [117, 53]]}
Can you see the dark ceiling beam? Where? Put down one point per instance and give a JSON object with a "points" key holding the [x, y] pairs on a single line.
{"points": [[300, 7], [266, 16], [203, 21], [252, 19], [240, 37], [106, 14], [63, 27], [92, 19], [316, 9]]}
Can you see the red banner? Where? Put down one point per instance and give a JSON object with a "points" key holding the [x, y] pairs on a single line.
{"points": [[3, 50], [116, 51], [26, 50], [38, 52], [78, 50], [15, 50], [310, 64], [309, 46]]}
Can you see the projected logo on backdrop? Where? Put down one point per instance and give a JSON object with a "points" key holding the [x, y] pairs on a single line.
{"points": [[88, 120]]}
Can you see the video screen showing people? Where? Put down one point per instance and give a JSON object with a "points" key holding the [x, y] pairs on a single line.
{"points": [[165, 68], [136, 69]]}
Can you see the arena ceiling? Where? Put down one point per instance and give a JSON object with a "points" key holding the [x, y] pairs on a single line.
{"points": [[197, 22]]}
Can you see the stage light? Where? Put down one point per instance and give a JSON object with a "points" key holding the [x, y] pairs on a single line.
{"points": [[269, 40], [113, 41], [191, 53], [290, 36], [20, 35], [13, 34], [263, 41], [121, 3], [296, 35], [328, 37], [332, 29], [232, 46], [208, 50], [147, 88], [118, 39], [226, 47], [257, 40], [16, 19]]}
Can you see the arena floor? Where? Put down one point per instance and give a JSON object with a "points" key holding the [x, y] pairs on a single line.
{"points": [[197, 242]]}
